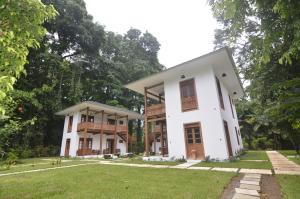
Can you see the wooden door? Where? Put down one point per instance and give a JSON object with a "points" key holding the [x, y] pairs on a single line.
{"points": [[67, 147], [110, 145], [228, 139], [194, 141]]}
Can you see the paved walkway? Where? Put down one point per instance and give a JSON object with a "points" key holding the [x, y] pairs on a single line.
{"points": [[282, 165], [249, 187]]}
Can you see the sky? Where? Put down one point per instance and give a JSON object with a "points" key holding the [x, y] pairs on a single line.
{"points": [[184, 28]]}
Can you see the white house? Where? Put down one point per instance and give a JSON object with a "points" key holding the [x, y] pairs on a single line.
{"points": [[93, 129], [190, 110]]}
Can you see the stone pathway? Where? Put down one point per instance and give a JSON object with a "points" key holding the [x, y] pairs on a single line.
{"points": [[186, 164], [282, 165], [249, 187]]}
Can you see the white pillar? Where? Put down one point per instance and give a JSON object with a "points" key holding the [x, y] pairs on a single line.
{"points": [[63, 141], [74, 135]]}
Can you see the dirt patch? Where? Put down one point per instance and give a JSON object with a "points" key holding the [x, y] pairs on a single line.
{"points": [[270, 188], [230, 189]]}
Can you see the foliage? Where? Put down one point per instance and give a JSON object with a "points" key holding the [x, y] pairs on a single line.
{"points": [[77, 60], [265, 39], [20, 29]]}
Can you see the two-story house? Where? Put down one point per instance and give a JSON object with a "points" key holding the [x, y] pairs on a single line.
{"points": [[189, 108], [94, 129]]}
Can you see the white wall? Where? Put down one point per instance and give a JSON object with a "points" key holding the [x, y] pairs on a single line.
{"points": [[231, 121], [208, 114]]}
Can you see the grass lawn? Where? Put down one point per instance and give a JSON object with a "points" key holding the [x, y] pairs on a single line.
{"points": [[290, 186], [255, 155], [140, 161], [109, 181], [250, 155]]}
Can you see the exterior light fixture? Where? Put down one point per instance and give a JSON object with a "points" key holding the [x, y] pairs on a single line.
{"points": [[182, 76], [224, 75]]}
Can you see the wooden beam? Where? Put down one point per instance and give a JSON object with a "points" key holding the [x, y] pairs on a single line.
{"points": [[157, 119], [146, 125], [155, 85], [127, 134], [159, 97], [115, 134], [101, 131], [161, 138]]}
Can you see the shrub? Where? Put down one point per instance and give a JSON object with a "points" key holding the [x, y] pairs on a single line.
{"points": [[107, 156], [207, 159], [27, 153], [11, 159]]}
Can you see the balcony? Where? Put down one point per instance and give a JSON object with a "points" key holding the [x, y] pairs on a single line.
{"points": [[157, 110], [96, 127], [189, 103]]}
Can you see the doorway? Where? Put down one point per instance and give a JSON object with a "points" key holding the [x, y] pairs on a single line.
{"points": [[194, 141], [110, 145], [67, 147]]}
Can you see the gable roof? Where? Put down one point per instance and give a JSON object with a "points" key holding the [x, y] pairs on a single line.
{"points": [[96, 106], [220, 60]]}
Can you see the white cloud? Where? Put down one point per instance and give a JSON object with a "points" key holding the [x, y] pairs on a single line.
{"points": [[185, 29]]}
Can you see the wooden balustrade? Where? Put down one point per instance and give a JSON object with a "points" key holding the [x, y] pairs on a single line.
{"points": [[189, 103], [96, 127], [156, 110]]}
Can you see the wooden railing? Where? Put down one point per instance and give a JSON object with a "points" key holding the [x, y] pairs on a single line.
{"points": [[91, 126], [157, 129], [156, 110], [189, 103]]}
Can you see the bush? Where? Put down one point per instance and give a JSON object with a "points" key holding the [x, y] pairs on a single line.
{"points": [[12, 158], [27, 153]]}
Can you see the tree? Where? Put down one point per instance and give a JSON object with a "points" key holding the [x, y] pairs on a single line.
{"points": [[265, 38], [20, 29]]}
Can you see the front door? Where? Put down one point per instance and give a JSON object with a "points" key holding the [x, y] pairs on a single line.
{"points": [[110, 145], [67, 147], [194, 141]]}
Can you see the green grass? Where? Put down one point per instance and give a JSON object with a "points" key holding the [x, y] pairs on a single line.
{"points": [[109, 181], [290, 186], [255, 155], [140, 161], [250, 155], [237, 164]]}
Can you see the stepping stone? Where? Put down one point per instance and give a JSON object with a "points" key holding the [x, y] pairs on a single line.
{"points": [[252, 175], [247, 192], [225, 169], [258, 171], [250, 186], [199, 168], [251, 179], [249, 182], [242, 196]]}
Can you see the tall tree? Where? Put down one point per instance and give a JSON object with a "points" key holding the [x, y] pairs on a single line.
{"points": [[265, 38], [20, 29]]}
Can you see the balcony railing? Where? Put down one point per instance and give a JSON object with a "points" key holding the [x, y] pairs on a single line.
{"points": [[96, 127], [156, 110], [189, 103]]}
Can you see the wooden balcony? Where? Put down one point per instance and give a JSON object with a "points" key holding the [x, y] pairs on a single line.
{"points": [[189, 103], [96, 127], [157, 110], [157, 129]]}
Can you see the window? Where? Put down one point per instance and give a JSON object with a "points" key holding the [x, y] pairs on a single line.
{"points": [[120, 141], [230, 101], [121, 122], [89, 142], [90, 118], [193, 133], [157, 140], [70, 124], [220, 93], [111, 121], [188, 95], [83, 118], [237, 136]]}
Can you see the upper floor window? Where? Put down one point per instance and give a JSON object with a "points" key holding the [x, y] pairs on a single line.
{"points": [[111, 121], [220, 93], [90, 118], [70, 124], [188, 95], [230, 101], [121, 122]]}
